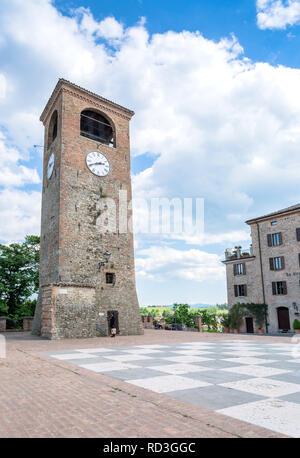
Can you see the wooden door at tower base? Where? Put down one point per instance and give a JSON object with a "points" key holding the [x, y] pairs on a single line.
{"points": [[113, 320], [283, 318]]}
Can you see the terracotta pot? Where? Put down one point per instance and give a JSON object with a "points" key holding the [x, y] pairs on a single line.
{"points": [[261, 331], [236, 331], [226, 330], [297, 331]]}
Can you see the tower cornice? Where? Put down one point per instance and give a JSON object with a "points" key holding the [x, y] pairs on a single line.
{"points": [[89, 97]]}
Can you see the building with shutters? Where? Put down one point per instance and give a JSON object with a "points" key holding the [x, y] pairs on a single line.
{"points": [[269, 272]]}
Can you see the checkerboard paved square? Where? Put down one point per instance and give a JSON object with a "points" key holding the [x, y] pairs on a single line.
{"points": [[252, 381]]}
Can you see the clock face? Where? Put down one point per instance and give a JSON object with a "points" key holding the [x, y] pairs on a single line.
{"points": [[50, 166], [97, 163]]}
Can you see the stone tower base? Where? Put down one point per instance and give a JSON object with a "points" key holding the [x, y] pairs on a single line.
{"points": [[72, 311]]}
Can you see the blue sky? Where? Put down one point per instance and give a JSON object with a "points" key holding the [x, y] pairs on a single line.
{"points": [[215, 88]]}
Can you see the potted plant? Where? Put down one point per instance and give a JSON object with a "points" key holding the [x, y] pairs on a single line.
{"points": [[225, 322], [296, 326]]}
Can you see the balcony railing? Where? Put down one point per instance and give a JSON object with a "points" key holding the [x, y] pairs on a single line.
{"points": [[238, 253]]}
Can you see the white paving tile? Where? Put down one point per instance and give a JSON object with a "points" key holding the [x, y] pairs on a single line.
{"points": [[248, 360], [240, 348], [198, 344], [255, 371], [167, 383], [244, 353], [142, 351], [192, 352], [151, 346], [127, 357], [275, 414], [264, 387], [107, 367], [187, 359], [95, 350], [179, 369], [73, 356]]}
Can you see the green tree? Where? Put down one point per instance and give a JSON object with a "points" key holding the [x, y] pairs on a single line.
{"points": [[19, 276], [144, 311], [182, 314], [208, 319]]}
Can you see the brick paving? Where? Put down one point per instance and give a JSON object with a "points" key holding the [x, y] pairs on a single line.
{"points": [[44, 397]]}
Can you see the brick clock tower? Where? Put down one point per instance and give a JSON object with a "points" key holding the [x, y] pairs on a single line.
{"points": [[87, 279]]}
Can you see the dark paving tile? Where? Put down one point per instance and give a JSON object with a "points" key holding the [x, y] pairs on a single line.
{"points": [[283, 365], [217, 376], [163, 354], [146, 362], [217, 364], [79, 362], [214, 397], [289, 377], [136, 373], [294, 397], [276, 356]]}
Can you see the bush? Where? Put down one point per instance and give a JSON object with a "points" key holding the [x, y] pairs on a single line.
{"points": [[296, 324], [14, 323], [236, 315], [225, 321], [257, 311], [208, 319]]}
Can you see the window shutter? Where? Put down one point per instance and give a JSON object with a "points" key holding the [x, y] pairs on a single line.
{"points": [[298, 234], [284, 287], [299, 258], [271, 263], [282, 262], [245, 290], [280, 238], [274, 287], [234, 269], [244, 268], [269, 237], [235, 290]]}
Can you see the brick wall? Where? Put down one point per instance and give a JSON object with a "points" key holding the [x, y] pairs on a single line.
{"points": [[73, 242]]}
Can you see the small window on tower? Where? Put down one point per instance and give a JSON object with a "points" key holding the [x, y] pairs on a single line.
{"points": [[52, 129], [95, 126], [110, 278]]}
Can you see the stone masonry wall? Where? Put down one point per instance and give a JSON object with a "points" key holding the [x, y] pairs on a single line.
{"points": [[76, 199], [290, 249]]}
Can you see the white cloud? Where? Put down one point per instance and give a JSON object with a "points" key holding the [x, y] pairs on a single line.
{"points": [[109, 28], [277, 14], [208, 239], [12, 173], [3, 86], [19, 214], [161, 263], [218, 125]]}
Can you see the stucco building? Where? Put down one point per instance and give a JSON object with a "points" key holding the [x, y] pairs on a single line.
{"points": [[269, 272]]}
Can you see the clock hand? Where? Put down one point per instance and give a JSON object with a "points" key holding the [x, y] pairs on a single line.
{"points": [[97, 163]]}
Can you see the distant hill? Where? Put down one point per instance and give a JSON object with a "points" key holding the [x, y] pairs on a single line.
{"points": [[196, 306], [202, 306]]}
